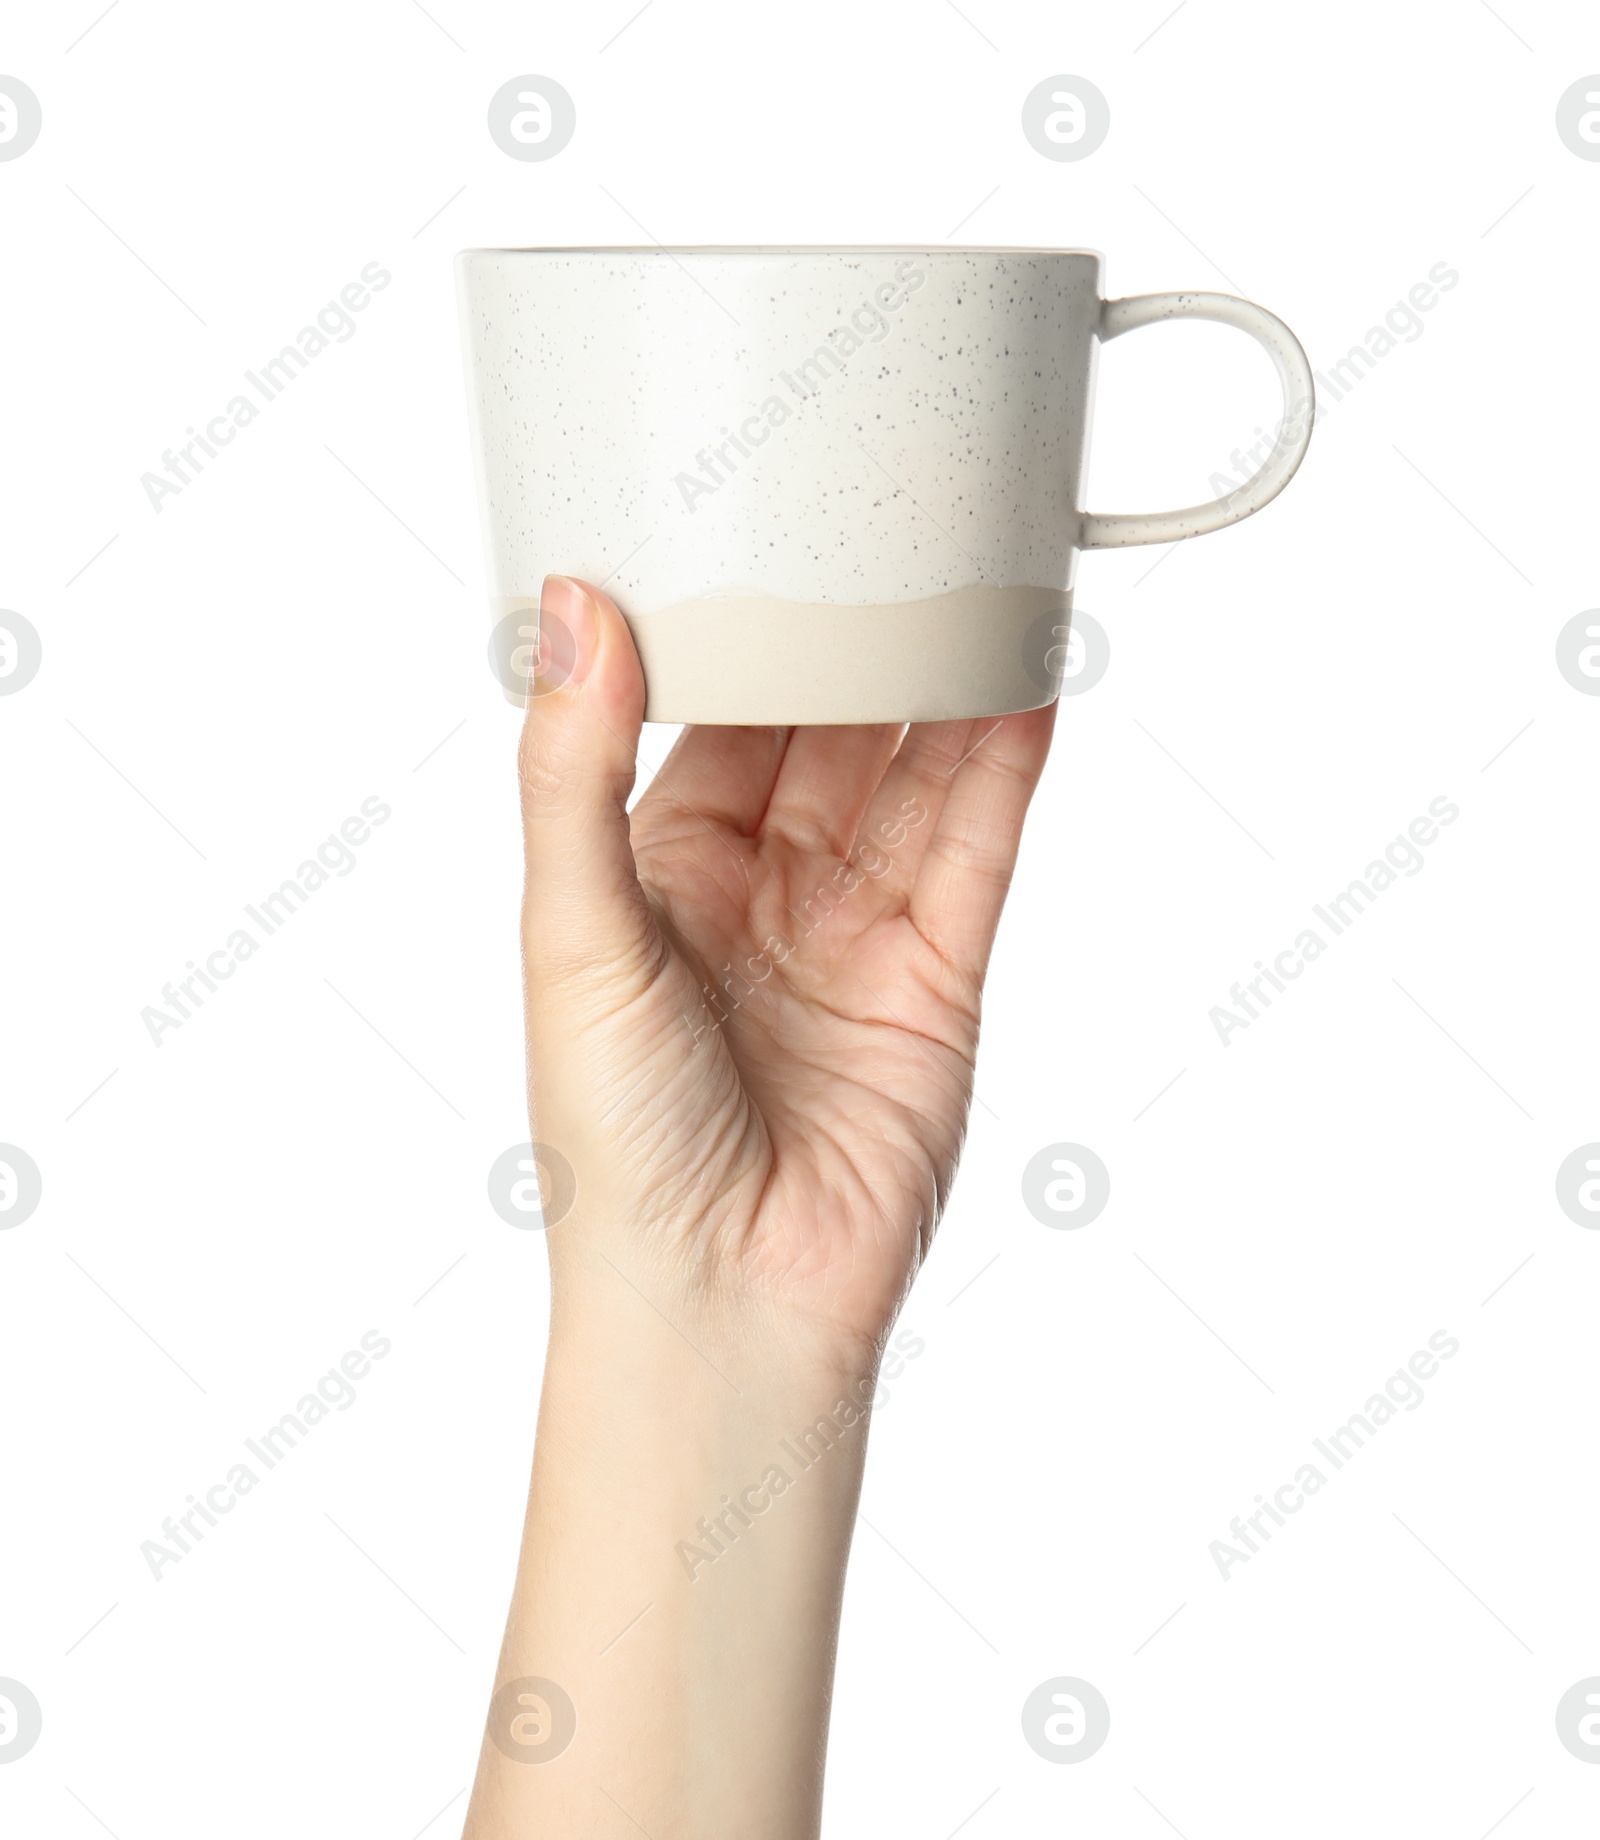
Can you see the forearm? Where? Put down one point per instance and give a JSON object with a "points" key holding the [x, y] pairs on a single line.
{"points": [[693, 1496]]}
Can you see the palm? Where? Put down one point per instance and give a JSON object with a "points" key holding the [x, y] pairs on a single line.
{"points": [[837, 946]]}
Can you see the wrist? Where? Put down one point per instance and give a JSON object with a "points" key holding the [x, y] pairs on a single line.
{"points": [[691, 1405], [643, 1298]]}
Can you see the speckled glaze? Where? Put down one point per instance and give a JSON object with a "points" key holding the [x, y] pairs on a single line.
{"points": [[822, 485]]}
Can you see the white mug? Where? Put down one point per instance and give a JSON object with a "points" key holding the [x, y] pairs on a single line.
{"points": [[822, 485]]}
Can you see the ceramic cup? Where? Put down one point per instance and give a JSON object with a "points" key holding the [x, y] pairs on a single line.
{"points": [[823, 485]]}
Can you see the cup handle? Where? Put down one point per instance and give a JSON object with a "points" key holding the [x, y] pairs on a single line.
{"points": [[1118, 531]]}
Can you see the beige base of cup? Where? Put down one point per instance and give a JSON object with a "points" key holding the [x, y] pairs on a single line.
{"points": [[751, 660]]}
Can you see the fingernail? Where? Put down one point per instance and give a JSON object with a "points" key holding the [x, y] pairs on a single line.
{"points": [[568, 634]]}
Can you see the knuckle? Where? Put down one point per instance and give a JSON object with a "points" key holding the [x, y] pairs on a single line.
{"points": [[541, 771], [974, 855]]}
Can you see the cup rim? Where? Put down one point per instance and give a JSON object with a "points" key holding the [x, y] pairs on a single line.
{"points": [[676, 251]]}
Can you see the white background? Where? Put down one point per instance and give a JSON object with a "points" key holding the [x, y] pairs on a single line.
{"points": [[304, 627]]}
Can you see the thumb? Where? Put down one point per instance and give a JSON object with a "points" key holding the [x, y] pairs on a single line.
{"points": [[584, 914]]}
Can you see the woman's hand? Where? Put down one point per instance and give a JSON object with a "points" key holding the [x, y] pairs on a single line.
{"points": [[753, 1010]]}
